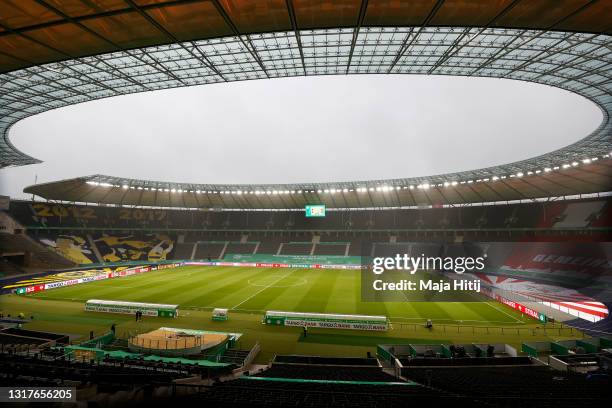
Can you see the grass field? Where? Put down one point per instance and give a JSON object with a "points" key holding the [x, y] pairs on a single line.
{"points": [[248, 292]]}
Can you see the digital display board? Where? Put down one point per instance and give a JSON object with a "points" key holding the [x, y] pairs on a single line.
{"points": [[315, 211]]}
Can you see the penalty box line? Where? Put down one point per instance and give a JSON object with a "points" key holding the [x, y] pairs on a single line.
{"points": [[262, 289], [506, 313], [499, 310]]}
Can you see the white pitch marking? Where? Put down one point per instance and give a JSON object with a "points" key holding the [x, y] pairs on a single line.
{"points": [[262, 289], [300, 282], [499, 310], [504, 312], [448, 320]]}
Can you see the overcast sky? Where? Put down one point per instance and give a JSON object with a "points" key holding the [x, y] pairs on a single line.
{"points": [[311, 129]]}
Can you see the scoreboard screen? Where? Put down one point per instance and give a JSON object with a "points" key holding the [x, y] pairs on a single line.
{"points": [[315, 211]]}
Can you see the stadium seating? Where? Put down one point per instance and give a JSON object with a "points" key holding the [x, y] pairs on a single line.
{"points": [[579, 214], [331, 248], [259, 393], [183, 250], [241, 248], [518, 386], [232, 232], [296, 248], [326, 372], [464, 362], [33, 334], [317, 360], [594, 329], [234, 356], [71, 246], [268, 245], [557, 215], [8, 268], [30, 253], [209, 250], [115, 248], [122, 373], [603, 218], [10, 342]]}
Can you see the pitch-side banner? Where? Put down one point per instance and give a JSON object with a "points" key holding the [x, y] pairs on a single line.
{"points": [[335, 324], [274, 265], [515, 305], [101, 276], [119, 309]]}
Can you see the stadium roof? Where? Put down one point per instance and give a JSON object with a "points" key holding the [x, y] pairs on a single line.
{"points": [[57, 53], [572, 179], [34, 32]]}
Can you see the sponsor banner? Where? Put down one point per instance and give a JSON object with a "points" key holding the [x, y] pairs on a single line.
{"points": [[148, 309], [265, 265], [294, 259], [303, 266], [199, 263], [166, 266], [91, 278], [570, 301], [339, 267], [133, 271], [516, 306], [119, 309], [36, 288], [275, 265], [63, 283], [326, 320], [30, 289], [330, 324]]}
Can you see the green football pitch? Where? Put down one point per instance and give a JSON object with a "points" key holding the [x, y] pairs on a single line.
{"points": [[249, 292]]}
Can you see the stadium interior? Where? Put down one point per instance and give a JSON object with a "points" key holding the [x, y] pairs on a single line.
{"points": [[134, 292]]}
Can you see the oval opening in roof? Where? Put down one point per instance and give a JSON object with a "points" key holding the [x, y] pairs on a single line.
{"points": [[308, 129]]}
